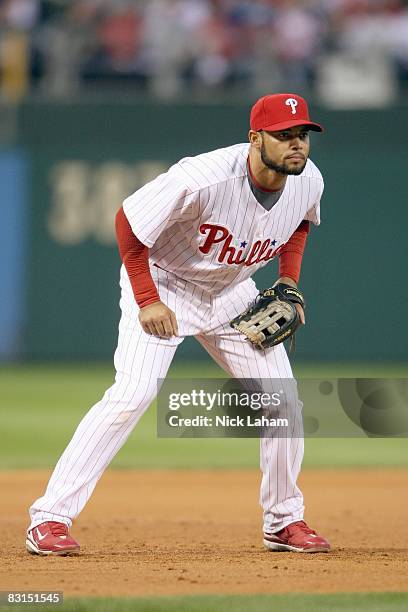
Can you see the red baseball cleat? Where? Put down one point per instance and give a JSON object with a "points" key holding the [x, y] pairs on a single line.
{"points": [[296, 537], [51, 538]]}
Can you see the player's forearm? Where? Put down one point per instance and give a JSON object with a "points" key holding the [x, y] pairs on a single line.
{"points": [[291, 256], [135, 257]]}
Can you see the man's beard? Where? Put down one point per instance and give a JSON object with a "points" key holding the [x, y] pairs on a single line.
{"points": [[280, 169]]}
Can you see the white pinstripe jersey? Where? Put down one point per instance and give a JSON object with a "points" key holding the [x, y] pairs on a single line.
{"points": [[202, 222]]}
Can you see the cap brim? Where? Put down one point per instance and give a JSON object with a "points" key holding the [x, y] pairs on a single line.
{"points": [[284, 125]]}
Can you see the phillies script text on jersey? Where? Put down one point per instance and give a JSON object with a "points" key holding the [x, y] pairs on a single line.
{"points": [[218, 234]]}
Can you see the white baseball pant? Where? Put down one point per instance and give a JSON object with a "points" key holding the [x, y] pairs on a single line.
{"points": [[140, 360]]}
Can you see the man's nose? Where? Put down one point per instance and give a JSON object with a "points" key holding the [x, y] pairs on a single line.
{"points": [[296, 142]]}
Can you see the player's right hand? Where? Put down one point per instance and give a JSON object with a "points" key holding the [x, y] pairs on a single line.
{"points": [[158, 320]]}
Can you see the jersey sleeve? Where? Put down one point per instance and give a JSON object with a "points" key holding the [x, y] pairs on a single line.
{"points": [[135, 258], [157, 206], [290, 257], [313, 214]]}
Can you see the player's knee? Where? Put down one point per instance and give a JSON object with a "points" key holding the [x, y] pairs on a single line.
{"points": [[129, 400]]}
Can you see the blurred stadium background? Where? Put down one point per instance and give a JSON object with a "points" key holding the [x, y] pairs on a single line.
{"points": [[99, 96]]}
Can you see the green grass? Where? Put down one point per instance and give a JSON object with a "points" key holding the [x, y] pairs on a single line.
{"points": [[40, 406], [350, 602]]}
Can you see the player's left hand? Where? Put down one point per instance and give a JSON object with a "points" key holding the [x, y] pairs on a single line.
{"points": [[289, 281], [272, 317]]}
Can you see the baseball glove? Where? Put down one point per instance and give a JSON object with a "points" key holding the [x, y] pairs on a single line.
{"points": [[272, 317]]}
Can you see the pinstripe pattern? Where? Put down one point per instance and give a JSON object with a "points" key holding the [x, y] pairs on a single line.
{"points": [[280, 457], [174, 216], [140, 360], [213, 188]]}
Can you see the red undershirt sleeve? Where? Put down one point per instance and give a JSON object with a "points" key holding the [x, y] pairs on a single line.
{"points": [[135, 257], [290, 257]]}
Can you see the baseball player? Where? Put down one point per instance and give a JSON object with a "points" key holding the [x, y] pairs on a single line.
{"points": [[190, 240]]}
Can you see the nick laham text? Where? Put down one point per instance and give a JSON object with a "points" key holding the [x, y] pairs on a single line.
{"points": [[226, 421]]}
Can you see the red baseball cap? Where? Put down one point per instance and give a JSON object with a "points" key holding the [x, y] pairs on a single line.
{"points": [[279, 112]]}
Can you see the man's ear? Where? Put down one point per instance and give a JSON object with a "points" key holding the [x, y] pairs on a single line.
{"points": [[255, 138]]}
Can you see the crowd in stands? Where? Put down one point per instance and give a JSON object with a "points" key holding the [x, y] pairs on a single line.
{"points": [[171, 48]]}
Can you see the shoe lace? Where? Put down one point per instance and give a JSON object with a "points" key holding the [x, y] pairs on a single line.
{"points": [[58, 529], [301, 526]]}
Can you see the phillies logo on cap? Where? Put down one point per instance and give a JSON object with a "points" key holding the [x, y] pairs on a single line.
{"points": [[292, 103], [282, 111]]}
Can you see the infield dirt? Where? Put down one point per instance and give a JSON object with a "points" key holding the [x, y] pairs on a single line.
{"points": [[186, 532]]}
